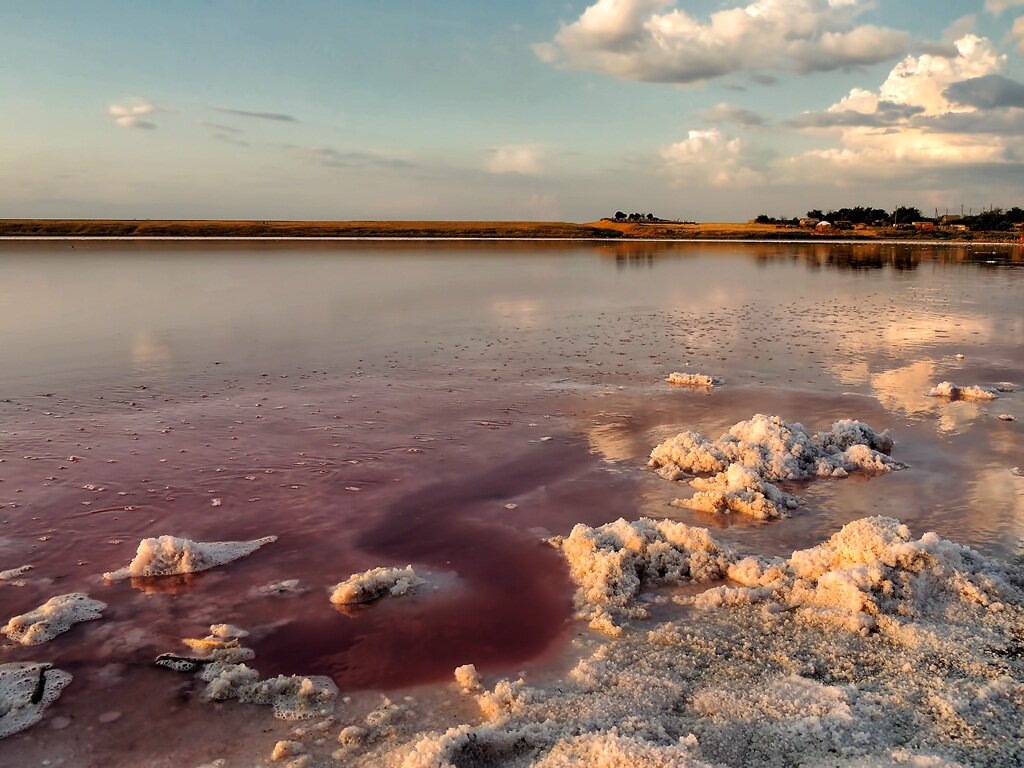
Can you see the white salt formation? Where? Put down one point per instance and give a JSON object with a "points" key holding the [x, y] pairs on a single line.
{"points": [[755, 454], [931, 675], [55, 616], [169, 556], [608, 563], [693, 380], [219, 660], [375, 583], [951, 391], [742, 491], [467, 678], [26, 690]]}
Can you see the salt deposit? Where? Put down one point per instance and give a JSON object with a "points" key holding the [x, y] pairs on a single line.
{"points": [[608, 563], [951, 391], [55, 616], [26, 690], [14, 573], [468, 679], [219, 660], [375, 583], [694, 380], [791, 673], [169, 555], [754, 454], [777, 450], [742, 491]]}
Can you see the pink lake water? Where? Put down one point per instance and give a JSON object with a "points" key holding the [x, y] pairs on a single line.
{"points": [[447, 406]]}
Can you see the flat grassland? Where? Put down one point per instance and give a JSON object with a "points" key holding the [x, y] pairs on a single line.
{"points": [[604, 229]]}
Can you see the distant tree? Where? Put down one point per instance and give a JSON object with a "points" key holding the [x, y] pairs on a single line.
{"points": [[650, 217], [816, 214], [620, 216], [905, 215], [764, 218]]}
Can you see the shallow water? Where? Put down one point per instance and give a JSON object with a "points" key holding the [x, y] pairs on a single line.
{"points": [[384, 404]]}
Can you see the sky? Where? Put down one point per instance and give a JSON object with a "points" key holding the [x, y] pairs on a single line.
{"points": [[708, 110]]}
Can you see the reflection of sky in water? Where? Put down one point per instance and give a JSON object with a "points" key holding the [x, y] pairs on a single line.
{"points": [[281, 377]]}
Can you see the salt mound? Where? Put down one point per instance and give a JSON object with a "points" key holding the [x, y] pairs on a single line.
{"points": [[777, 450], [219, 659], [742, 491], [951, 391], [607, 564], [375, 583], [55, 616], [693, 380], [872, 574], [756, 453], [169, 556], [26, 690]]}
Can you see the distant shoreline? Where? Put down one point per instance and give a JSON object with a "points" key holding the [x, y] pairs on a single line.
{"points": [[601, 231], [605, 241]]}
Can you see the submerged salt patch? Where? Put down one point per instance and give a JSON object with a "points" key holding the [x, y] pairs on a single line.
{"points": [[26, 690], [608, 563], [55, 616], [169, 555], [694, 380], [951, 391], [219, 660], [375, 583]]}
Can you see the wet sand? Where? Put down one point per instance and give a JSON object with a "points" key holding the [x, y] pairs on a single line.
{"points": [[384, 406]]}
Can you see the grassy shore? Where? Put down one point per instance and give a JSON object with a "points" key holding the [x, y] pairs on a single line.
{"points": [[602, 230]]}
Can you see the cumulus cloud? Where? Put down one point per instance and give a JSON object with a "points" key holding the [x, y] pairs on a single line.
{"points": [[729, 113], [655, 41], [710, 157], [523, 159], [276, 116], [931, 111], [134, 113]]}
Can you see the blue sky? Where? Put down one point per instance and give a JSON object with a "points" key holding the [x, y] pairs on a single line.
{"points": [[703, 109]]}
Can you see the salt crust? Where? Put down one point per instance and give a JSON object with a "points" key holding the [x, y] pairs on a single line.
{"points": [[693, 380], [56, 616], [937, 679], [374, 584], [170, 556], [755, 454], [14, 573], [951, 391], [26, 690], [219, 659]]}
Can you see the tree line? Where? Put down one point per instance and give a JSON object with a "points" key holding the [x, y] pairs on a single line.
{"points": [[993, 220]]}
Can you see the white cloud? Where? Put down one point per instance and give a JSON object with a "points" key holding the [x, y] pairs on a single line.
{"points": [[709, 157], [914, 118], [133, 113], [998, 6], [730, 113], [523, 159], [652, 40]]}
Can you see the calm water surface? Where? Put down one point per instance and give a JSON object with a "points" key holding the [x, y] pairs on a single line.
{"points": [[384, 404]]}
